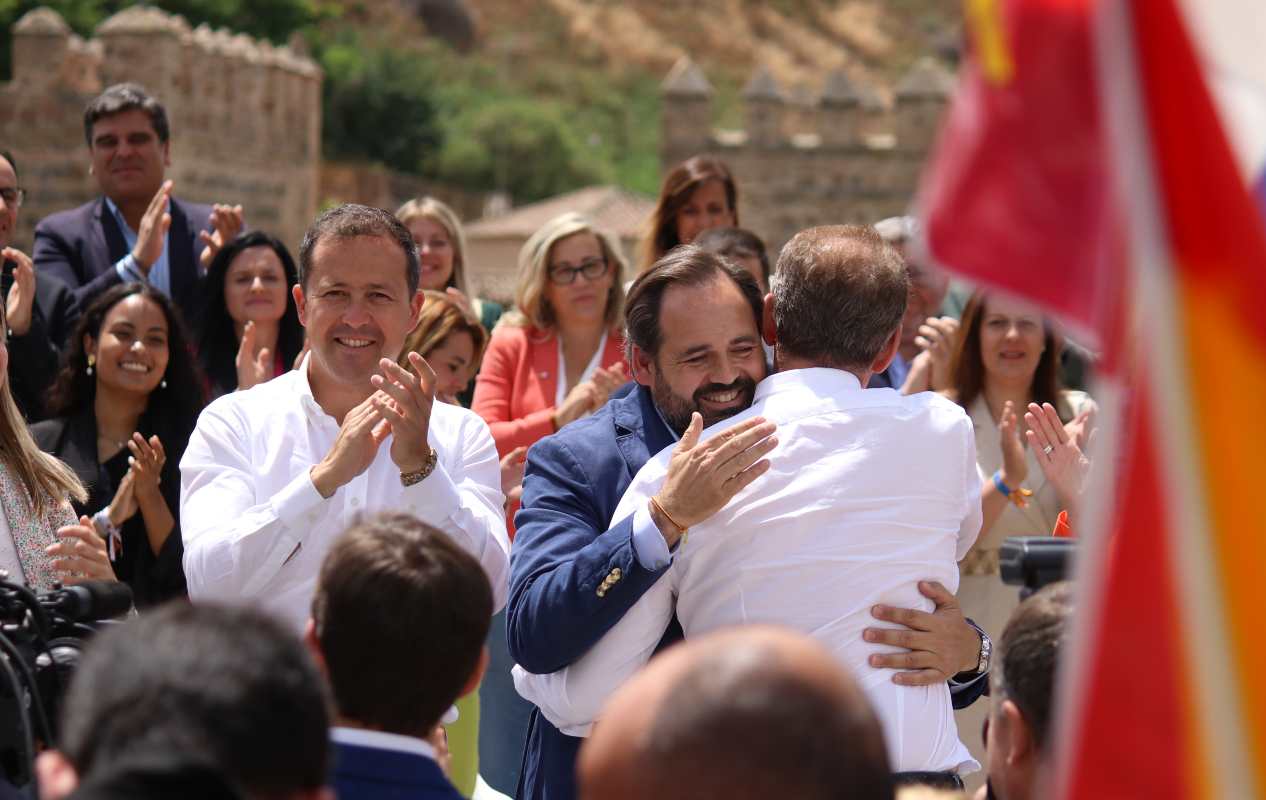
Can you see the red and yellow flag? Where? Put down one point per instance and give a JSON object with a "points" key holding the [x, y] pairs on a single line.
{"points": [[1084, 165]]}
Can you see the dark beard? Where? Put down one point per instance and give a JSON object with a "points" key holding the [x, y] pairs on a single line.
{"points": [[677, 409]]}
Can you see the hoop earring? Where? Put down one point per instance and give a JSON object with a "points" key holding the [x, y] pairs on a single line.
{"points": [[91, 360]]}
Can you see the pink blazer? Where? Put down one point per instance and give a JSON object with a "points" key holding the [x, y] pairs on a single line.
{"points": [[518, 381]]}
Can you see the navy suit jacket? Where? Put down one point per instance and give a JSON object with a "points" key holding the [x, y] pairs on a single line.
{"points": [[563, 550], [371, 773], [81, 246]]}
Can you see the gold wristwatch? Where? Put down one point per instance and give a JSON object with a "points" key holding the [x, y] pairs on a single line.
{"points": [[420, 474]]}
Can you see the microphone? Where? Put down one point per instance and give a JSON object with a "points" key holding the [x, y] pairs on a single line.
{"points": [[89, 601]]}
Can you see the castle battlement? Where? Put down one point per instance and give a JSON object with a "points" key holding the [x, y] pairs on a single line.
{"points": [[245, 114], [842, 155]]}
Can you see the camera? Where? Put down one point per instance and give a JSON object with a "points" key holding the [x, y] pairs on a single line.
{"points": [[1031, 562], [41, 638]]}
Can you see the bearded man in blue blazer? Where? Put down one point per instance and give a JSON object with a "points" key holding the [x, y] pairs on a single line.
{"points": [[136, 230], [692, 339]]}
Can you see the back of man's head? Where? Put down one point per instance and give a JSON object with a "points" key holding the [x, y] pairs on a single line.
{"points": [[225, 689], [400, 617], [839, 294], [1024, 676], [751, 712]]}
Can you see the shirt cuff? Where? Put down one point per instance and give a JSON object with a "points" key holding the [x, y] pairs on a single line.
{"points": [[434, 498], [648, 542], [299, 499], [129, 270]]}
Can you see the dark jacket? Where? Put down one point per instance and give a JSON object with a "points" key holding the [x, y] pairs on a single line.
{"points": [[153, 577], [370, 773], [81, 246], [34, 357]]}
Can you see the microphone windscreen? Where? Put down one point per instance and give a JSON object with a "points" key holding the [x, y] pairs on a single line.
{"points": [[109, 598]]}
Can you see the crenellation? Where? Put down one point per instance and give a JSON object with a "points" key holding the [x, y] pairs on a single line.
{"points": [[858, 162], [235, 105]]}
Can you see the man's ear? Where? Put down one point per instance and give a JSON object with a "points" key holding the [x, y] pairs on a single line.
{"points": [[643, 367], [300, 303], [55, 774], [415, 307], [472, 683], [313, 644], [887, 353], [769, 331], [167, 153], [1017, 745]]}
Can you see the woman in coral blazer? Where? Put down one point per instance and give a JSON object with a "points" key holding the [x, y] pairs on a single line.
{"points": [[558, 354]]}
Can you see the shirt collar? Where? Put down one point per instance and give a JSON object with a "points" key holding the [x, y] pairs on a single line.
{"points": [[118, 215], [381, 740], [823, 380]]}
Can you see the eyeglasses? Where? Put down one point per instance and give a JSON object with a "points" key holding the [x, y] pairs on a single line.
{"points": [[12, 196], [591, 268]]}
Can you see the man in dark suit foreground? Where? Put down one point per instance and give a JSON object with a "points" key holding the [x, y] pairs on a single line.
{"points": [[193, 702], [754, 712], [398, 622], [136, 230]]}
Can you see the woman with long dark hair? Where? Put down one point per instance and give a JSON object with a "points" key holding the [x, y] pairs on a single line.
{"points": [[1007, 356], [697, 195], [124, 404], [248, 325]]}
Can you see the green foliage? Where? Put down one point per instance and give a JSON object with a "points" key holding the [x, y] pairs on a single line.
{"points": [[269, 19], [378, 103]]}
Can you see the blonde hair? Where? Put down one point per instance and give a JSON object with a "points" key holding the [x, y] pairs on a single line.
{"points": [[438, 212], [46, 480], [440, 318], [530, 306]]}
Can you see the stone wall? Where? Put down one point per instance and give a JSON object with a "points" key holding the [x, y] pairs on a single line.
{"points": [[245, 115], [845, 156]]}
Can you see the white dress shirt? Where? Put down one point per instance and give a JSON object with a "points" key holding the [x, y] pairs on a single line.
{"points": [[381, 740], [868, 493], [256, 529]]}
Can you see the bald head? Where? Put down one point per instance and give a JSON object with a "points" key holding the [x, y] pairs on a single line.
{"points": [[751, 712]]}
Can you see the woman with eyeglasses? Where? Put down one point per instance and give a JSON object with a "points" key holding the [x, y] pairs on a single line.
{"points": [[558, 354]]}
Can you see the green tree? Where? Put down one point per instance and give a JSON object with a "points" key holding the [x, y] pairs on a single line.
{"points": [[524, 147], [377, 104]]}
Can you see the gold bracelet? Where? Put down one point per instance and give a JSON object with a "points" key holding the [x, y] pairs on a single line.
{"points": [[681, 528], [419, 475]]}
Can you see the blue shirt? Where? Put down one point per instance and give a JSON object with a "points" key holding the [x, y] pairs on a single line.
{"points": [[159, 273]]}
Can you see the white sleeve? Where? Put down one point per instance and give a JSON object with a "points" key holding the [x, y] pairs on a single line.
{"points": [[973, 513], [572, 698], [234, 545], [462, 497]]}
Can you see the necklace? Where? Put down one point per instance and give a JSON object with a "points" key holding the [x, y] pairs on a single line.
{"points": [[114, 443]]}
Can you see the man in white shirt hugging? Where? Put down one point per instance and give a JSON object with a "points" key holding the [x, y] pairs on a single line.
{"points": [[274, 474], [867, 493]]}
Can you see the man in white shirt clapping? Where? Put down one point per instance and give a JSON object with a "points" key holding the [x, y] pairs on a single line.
{"points": [[867, 494], [274, 474]]}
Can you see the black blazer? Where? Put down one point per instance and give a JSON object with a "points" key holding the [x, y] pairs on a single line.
{"points": [[81, 246], [153, 578], [34, 356]]}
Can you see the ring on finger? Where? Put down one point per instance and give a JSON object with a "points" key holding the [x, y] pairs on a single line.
{"points": [[1048, 449]]}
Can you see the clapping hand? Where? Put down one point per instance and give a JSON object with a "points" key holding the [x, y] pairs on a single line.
{"points": [[606, 381], [152, 234], [252, 369], [124, 505], [512, 475], [938, 336], [1014, 466], [21, 298], [146, 465], [1058, 452], [80, 554], [354, 449], [407, 409], [226, 223]]}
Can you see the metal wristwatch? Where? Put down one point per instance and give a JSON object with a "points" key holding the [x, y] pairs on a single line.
{"points": [[986, 652], [419, 475]]}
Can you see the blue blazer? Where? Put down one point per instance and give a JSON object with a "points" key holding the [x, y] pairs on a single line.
{"points": [[370, 773], [562, 551], [80, 247]]}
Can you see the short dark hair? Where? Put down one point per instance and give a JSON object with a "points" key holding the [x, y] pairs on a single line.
{"points": [[401, 614], [738, 725], [1028, 654], [8, 156], [350, 221], [685, 265], [229, 688], [126, 97], [840, 292], [735, 242]]}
